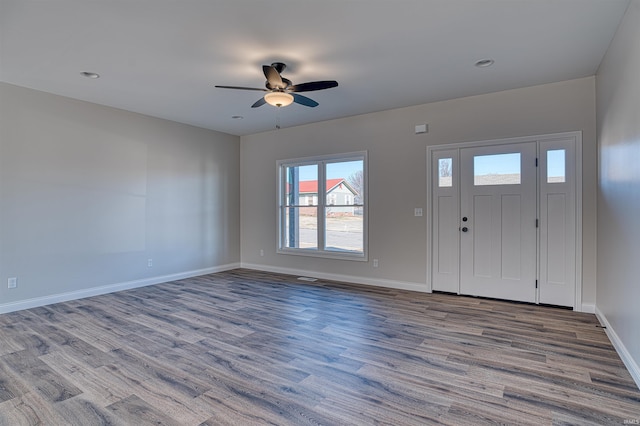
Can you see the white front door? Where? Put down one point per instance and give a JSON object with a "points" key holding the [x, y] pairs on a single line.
{"points": [[498, 237]]}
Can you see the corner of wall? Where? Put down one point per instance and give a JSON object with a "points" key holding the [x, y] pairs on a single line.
{"points": [[627, 359]]}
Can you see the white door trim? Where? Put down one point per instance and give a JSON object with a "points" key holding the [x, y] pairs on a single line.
{"points": [[576, 135]]}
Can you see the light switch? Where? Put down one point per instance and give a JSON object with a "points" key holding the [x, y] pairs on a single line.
{"points": [[417, 211]]}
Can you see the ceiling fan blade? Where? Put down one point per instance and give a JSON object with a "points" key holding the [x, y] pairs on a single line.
{"points": [[273, 77], [241, 88], [313, 85], [303, 100], [258, 103]]}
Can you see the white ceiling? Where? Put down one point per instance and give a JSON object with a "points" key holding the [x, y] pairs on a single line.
{"points": [[163, 57]]}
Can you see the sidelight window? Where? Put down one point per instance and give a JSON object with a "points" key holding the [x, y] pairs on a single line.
{"points": [[556, 166], [445, 172]]}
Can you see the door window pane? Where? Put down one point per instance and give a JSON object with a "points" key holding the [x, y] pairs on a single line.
{"points": [[445, 172], [497, 169], [556, 166]]}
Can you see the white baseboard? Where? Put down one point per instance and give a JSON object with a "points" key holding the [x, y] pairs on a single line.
{"points": [[588, 308], [629, 362], [401, 285], [110, 288]]}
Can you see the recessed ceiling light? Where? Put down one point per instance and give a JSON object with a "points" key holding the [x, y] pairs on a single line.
{"points": [[237, 117], [482, 63], [89, 74]]}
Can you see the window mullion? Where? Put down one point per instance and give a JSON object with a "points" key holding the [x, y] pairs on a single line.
{"points": [[281, 207], [322, 198]]}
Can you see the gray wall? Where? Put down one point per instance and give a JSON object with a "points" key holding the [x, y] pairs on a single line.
{"points": [[618, 94], [89, 193], [397, 159]]}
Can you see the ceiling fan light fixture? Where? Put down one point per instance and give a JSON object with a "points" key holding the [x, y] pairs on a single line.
{"points": [[278, 99]]}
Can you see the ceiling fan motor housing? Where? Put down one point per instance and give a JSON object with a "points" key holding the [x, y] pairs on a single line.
{"points": [[281, 92]]}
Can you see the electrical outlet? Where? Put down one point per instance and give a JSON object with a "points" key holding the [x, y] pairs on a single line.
{"points": [[12, 282], [375, 263], [149, 263], [261, 252]]}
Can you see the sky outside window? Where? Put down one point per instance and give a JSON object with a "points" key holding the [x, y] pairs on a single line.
{"points": [[342, 169]]}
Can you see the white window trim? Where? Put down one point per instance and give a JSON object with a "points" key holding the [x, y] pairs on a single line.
{"points": [[322, 202]]}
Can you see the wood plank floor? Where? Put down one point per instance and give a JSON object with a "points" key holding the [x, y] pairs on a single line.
{"points": [[245, 347]]}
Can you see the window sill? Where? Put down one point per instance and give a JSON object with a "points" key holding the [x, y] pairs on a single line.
{"points": [[325, 254]]}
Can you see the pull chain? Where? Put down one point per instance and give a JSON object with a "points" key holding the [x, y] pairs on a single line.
{"points": [[278, 118]]}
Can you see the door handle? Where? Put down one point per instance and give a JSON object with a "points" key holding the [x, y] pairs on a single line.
{"points": [[464, 229]]}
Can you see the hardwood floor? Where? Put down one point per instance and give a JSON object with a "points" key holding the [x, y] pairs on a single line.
{"points": [[246, 347]]}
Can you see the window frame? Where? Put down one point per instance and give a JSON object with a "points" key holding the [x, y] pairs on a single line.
{"points": [[281, 206]]}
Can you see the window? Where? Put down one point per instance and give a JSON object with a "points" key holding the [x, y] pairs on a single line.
{"points": [[445, 175], [497, 169], [556, 166], [322, 206]]}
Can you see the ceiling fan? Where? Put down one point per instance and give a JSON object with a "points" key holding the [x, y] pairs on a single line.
{"points": [[281, 92]]}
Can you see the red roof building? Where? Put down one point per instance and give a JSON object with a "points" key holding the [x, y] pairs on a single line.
{"points": [[311, 186], [339, 194]]}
